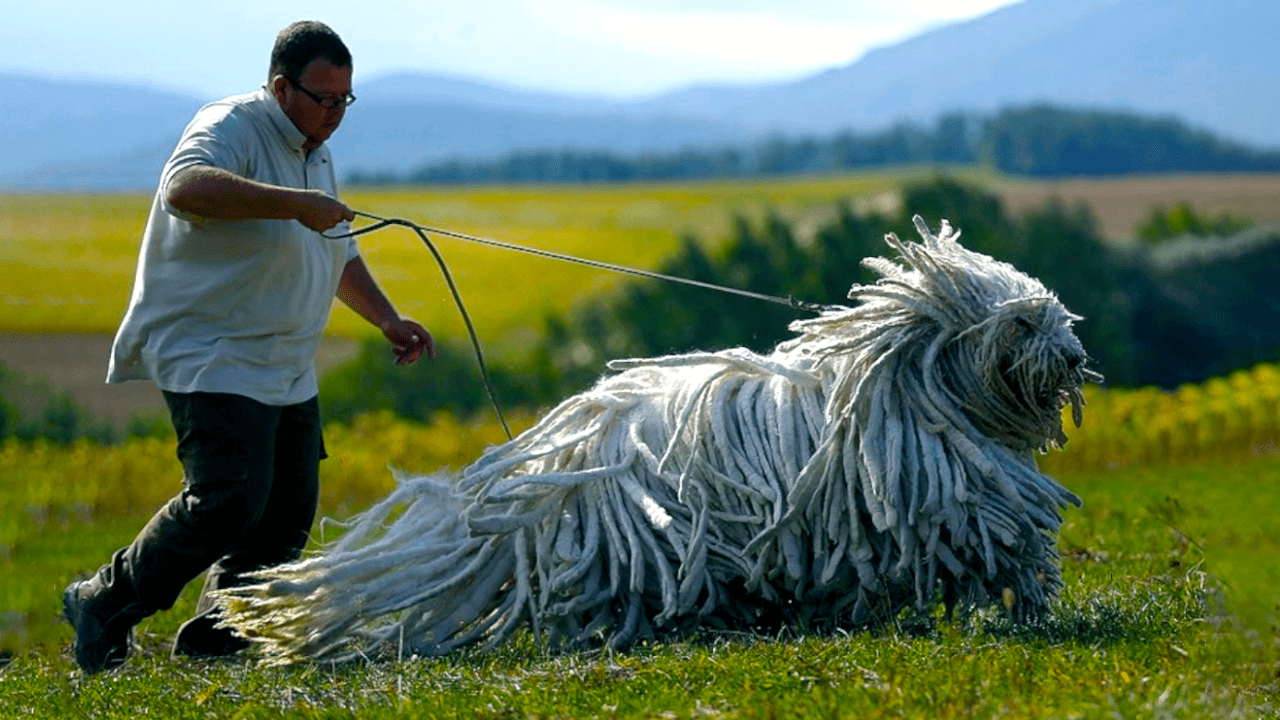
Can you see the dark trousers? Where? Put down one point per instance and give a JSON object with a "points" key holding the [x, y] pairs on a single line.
{"points": [[251, 485]]}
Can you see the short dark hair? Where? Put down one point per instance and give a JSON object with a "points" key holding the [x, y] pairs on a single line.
{"points": [[302, 42]]}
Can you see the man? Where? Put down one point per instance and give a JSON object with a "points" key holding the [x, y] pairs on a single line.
{"points": [[240, 261]]}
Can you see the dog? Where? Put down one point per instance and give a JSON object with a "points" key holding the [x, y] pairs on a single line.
{"points": [[882, 459]]}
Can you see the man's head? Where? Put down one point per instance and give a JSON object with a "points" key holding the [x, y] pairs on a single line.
{"points": [[310, 77]]}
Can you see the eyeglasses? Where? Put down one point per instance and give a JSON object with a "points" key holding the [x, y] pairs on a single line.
{"points": [[328, 103]]}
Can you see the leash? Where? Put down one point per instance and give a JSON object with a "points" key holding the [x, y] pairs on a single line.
{"points": [[789, 302], [423, 232]]}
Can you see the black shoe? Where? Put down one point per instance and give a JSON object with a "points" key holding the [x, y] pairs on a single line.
{"points": [[200, 637], [104, 633]]}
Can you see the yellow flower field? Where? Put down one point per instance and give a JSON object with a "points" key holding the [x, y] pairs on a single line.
{"points": [[1223, 419]]}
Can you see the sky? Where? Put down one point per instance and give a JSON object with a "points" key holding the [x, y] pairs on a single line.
{"points": [[611, 48]]}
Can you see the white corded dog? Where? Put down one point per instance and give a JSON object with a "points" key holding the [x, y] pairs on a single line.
{"points": [[882, 459]]}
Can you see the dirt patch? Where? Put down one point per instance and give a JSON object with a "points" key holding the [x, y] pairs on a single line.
{"points": [[1121, 204], [77, 362]]}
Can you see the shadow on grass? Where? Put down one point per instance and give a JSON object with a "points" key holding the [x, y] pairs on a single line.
{"points": [[1124, 610], [1098, 610]]}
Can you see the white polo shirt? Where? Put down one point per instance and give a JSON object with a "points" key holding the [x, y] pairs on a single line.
{"points": [[234, 306]]}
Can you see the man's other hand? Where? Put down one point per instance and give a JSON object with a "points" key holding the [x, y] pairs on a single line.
{"points": [[409, 341]]}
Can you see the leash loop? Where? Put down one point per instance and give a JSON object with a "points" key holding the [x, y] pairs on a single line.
{"points": [[457, 300]]}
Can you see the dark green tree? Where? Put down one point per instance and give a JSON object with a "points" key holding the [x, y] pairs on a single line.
{"points": [[1050, 141]]}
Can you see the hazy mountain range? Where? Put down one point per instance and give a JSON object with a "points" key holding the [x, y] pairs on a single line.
{"points": [[1210, 63]]}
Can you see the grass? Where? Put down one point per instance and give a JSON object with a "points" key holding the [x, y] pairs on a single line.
{"points": [[1166, 613], [66, 261], [1208, 511], [948, 674]]}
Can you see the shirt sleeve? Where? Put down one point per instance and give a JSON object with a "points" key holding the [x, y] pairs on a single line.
{"points": [[211, 139]]}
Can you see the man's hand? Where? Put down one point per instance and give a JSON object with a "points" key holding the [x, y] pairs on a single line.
{"points": [[320, 212], [409, 341], [358, 291]]}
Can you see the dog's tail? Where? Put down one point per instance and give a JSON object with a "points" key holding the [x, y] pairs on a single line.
{"points": [[405, 578]]}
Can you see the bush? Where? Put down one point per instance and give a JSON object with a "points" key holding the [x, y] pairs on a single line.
{"points": [[31, 410], [1207, 306], [1163, 225], [644, 319], [59, 418], [1061, 247]]}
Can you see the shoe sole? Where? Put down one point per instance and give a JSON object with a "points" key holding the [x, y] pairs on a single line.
{"points": [[71, 611]]}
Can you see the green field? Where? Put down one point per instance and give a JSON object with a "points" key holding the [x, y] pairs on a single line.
{"points": [[1170, 610]]}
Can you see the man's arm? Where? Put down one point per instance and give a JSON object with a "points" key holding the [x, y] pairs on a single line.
{"points": [[358, 290], [212, 192]]}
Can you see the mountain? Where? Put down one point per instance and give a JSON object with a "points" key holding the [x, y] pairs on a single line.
{"points": [[59, 131], [1209, 63], [73, 134], [408, 87]]}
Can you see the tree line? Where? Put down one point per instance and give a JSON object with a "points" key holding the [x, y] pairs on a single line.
{"points": [[1037, 141]]}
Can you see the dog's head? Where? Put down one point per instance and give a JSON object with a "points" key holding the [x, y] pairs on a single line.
{"points": [[1004, 344], [948, 372], [1032, 365]]}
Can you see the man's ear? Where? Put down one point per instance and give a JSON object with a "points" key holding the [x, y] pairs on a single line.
{"points": [[278, 85]]}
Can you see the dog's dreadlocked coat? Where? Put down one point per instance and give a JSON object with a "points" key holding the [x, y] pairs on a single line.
{"points": [[882, 459]]}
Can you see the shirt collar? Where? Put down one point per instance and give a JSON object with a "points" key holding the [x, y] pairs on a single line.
{"points": [[289, 132]]}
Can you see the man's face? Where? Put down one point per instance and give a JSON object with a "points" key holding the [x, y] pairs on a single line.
{"points": [[320, 78]]}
